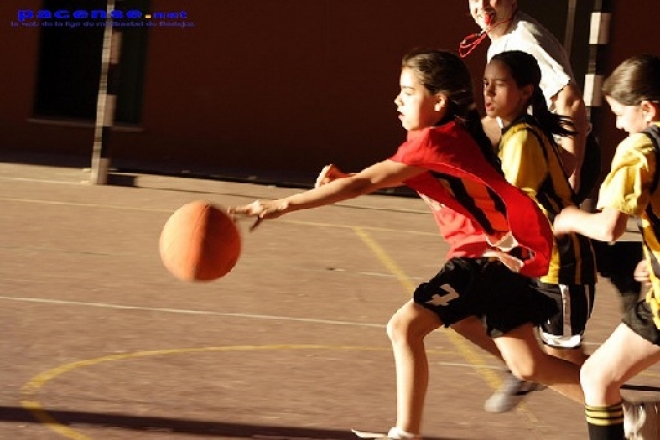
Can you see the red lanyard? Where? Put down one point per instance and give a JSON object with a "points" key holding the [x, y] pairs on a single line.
{"points": [[471, 42]]}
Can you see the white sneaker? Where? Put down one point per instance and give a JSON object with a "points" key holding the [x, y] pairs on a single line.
{"points": [[511, 393], [640, 420], [393, 434]]}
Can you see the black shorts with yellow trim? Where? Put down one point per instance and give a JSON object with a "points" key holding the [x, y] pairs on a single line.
{"points": [[640, 320], [484, 287]]}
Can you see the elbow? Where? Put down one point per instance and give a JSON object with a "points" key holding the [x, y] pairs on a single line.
{"points": [[570, 103], [613, 230]]}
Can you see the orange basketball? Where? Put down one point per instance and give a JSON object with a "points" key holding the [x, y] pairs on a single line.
{"points": [[200, 242]]}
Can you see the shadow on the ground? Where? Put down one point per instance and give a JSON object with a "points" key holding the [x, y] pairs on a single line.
{"points": [[165, 425]]}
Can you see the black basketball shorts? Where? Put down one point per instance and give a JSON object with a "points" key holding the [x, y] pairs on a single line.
{"points": [[640, 320], [485, 288], [575, 303]]}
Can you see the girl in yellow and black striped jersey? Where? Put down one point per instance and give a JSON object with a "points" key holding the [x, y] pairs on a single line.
{"points": [[630, 189], [531, 161]]}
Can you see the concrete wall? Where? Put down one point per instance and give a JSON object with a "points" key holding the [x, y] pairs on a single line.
{"points": [[280, 88], [271, 86]]}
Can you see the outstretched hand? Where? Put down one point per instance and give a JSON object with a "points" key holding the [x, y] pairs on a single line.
{"points": [[270, 209], [261, 209]]}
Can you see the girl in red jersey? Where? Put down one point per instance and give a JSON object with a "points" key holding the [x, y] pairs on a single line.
{"points": [[497, 235]]}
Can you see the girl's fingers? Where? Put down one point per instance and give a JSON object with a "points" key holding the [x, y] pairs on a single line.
{"points": [[248, 212], [256, 223], [254, 208]]}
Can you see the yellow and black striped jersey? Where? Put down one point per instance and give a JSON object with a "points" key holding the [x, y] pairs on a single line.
{"points": [[531, 162], [631, 187]]}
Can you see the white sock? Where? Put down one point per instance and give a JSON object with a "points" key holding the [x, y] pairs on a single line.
{"points": [[398, 433]]}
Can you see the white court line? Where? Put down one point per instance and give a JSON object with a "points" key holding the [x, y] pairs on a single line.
{"points": [[33, 180], [205, 313], [188, 312], [163, 210]]}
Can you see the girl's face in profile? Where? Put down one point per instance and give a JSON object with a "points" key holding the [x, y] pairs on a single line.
{"points": [[629, 118], [502, 96], [417, 107]]}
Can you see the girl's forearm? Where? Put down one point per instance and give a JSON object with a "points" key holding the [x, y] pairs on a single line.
{"points": [[602, 226], [333, 192]]}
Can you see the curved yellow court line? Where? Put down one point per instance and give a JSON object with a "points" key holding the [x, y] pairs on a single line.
{"points": [[31, 389]]}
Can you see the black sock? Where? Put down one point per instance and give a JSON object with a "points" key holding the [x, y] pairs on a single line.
{"points": [[605, 422]]}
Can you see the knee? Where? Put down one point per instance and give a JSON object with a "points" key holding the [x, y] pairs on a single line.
{"points": [[409, 324], [398, 328], [594, 381]]}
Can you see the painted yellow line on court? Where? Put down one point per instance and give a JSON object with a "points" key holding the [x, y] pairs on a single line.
{"points": [[472, 356], [462, 346], [385, 259], [36, 409], [32, 388]]}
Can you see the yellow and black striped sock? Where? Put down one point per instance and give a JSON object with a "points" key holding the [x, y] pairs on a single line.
{"points": [[605, 422]]}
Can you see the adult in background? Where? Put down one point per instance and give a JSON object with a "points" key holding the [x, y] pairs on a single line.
{"points": [[508, 28]]}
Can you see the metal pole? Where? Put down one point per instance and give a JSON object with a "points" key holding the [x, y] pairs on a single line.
{"points": [[598, 39], [593, 80], [570, 26], [107, 99]]}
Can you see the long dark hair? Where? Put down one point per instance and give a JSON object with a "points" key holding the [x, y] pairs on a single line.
{"points": [[635, 80], [444, 72], [525, 71]]}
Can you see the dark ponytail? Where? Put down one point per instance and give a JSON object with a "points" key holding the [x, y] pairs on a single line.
{"points": [[551, 123], [444, 72]]}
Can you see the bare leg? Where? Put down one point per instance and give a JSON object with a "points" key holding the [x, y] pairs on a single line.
{"points": [[528, 361], [407, 329], [576, 356], [624, 355], [473, 330]]}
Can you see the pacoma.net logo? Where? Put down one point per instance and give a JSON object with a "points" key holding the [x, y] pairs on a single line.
{"points": [[100, 17]]}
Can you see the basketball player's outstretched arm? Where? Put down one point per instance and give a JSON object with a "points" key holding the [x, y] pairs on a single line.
{"points": [[383, 174]]}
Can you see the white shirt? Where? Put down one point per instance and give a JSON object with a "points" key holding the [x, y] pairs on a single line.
{"points": [[528, 35]]}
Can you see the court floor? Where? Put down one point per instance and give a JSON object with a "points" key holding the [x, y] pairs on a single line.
{"points": [[100, 342]]}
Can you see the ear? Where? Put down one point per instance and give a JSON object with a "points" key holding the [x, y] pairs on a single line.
{"points": [[440, 103], [650, 111], [527, 92]]}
